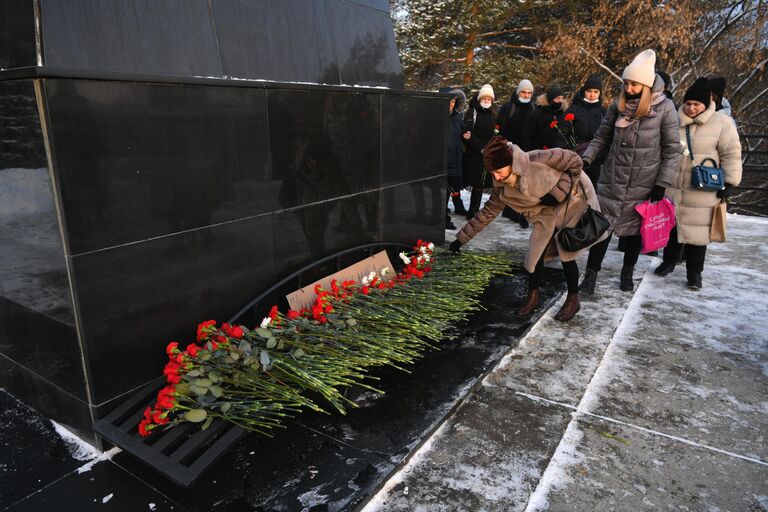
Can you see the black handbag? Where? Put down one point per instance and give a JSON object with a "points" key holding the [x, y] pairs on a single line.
{"points": [[592, 225], [705, 177]]}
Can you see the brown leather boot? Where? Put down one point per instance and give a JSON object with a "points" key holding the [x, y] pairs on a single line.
{"points": [[570, 308], [531, 303]]}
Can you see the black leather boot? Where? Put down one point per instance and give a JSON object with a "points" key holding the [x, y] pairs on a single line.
{"points": [[625, 281], [458, 206], [694, 280], [587, 286], [664, 269], [474, 203]]}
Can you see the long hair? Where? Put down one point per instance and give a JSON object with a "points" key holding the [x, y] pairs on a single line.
{"points": [[643, 107]]}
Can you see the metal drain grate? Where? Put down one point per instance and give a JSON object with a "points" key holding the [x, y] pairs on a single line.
{"points": [[184, 452]]}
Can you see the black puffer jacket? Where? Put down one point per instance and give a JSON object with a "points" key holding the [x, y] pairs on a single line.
{"points": [[587, 119], [543, 135], [518, 128], [481, 122]]}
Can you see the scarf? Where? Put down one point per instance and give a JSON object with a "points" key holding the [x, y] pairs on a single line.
{"points": [[629, 115]]}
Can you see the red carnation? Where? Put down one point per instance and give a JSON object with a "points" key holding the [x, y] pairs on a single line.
{"points": [[293, 314], [192, 349], [237, 331], [364, 290], [143, 430], [172, 348], [160, 417], [553, 124], [205, 329], [569, 117], [273, 312]]}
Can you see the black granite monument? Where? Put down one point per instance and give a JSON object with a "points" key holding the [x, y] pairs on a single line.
{"points": [[161, 163]]}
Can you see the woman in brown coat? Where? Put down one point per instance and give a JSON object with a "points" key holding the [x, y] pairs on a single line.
{"points": [[537, 185], [713, 135]]}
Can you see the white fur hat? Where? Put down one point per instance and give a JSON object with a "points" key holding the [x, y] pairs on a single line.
{"points": [[642, 69], [484, 91], [524, 85]]}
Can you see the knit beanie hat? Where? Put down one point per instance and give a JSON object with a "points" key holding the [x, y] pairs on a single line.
{"points": [[485, 90], [593, 82], [717, 84], [699, 91], [524, 85], [497, 153], [642, 68], [553, 91]]}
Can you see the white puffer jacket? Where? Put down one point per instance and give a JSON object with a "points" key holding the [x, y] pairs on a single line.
{"points": [[713, 135]]}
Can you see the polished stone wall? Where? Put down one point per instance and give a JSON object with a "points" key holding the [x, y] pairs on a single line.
{"points": [[163, 205], [317, 41]]}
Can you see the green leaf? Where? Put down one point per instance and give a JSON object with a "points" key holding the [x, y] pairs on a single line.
{"points": [[226, 406], [195, 415], [281, 344], [264, 359], [217, 391], [204, 356], [207, 423], [203, 383], [255, 366], [197, 389], [332, 317], [248, 361], [351, 322], [298, 353], [264, 333], [194, 373], [245, 347], [182, 388], [234, 355], [215, 377], [271, 343]]}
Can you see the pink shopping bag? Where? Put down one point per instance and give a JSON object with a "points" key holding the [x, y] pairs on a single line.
{"points": [[658, 221]]}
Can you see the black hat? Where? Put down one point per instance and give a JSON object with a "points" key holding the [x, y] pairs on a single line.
{"points": [[593, 82], [699, 91], [666, 78], [497, 153], [553, 91], [717, 84]]}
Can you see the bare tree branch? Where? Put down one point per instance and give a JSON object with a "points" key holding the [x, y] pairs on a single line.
{"points": [[609, 70]]}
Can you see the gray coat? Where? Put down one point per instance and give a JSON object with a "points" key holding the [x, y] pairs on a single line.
{"points": [[640, 156]]}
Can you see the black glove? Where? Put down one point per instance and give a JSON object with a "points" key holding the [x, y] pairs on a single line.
{"points": [[657, 194], [723, 194], [455, 246], [548, 200]]}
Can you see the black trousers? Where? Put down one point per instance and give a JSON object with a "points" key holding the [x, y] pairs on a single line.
{"points": [[694, 254], [632, 245], [570, 269]]}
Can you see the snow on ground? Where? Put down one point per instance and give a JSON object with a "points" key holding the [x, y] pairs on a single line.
{"points": [[646, 401]]}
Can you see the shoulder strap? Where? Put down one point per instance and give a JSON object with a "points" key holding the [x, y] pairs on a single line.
{"points": [[688, 138], [568, 202]]}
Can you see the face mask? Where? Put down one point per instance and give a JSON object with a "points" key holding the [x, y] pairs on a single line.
{"points": [[485, 103], [524, 100], [591, 101]]}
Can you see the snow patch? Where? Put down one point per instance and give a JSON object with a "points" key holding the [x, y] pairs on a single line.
{"points": [[102, 457], [78, 449]]}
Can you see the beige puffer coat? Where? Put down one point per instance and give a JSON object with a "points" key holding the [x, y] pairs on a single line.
{"points": [[538, 172], [713, 135]]}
